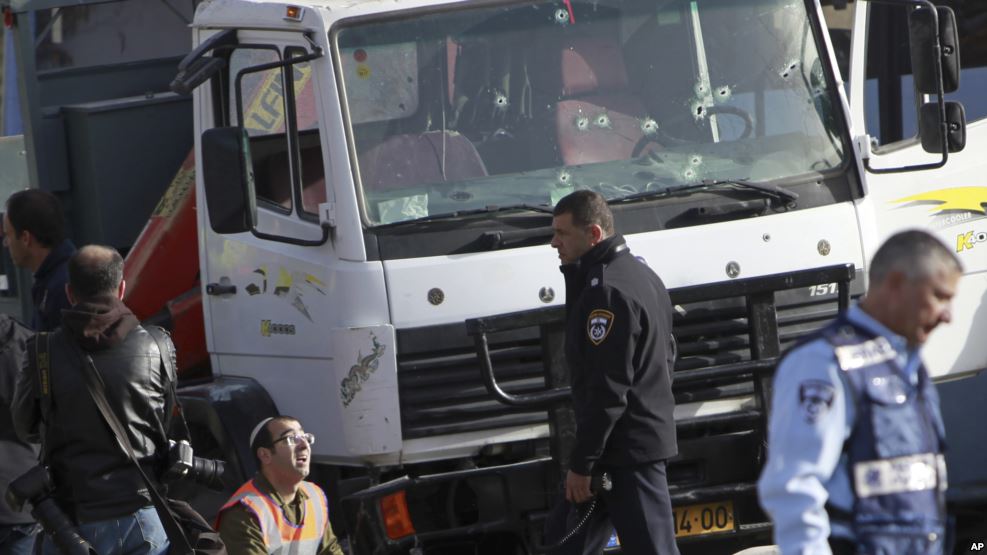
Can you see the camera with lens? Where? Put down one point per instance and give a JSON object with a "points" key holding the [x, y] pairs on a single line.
{"points": [[184, 465], [35, 487]]}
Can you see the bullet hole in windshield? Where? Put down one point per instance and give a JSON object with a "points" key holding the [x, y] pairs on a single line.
{"points": [[602, 121], [649, 126], [500, 101], [582, 123], [700, 89], [562, 16], [789, 69], [698, 110], [689, 174], [723, 93], [695, 160], [564, 178]]}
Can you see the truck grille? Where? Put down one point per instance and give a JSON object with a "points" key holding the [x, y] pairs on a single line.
{"points": [[440, 385], [442, 392]]}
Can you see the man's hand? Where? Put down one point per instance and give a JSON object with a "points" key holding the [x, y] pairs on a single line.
{"points": [[577, 488]]}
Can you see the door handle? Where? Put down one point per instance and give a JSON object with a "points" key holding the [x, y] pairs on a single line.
{"points": [[220, 289]]}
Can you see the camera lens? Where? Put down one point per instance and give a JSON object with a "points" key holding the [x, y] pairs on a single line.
{"points": [[63, 532], [209, 472]]}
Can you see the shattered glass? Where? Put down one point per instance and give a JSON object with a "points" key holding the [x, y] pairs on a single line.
{"points": [[511, 104]]}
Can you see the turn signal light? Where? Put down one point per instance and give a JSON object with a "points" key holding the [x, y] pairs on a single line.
{"points": [[397, 520], [294, 13]]}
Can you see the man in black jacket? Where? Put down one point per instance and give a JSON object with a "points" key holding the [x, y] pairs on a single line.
{"points": [[95, 482], [17, 528], [620, 351], [34, 233]]}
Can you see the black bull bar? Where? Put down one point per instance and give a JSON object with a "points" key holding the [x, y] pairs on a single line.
{"points": [[765, 345], [759, 296]]}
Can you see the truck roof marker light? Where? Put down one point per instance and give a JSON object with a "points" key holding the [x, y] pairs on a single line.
{"points": [[294, 13], [397, 519]]}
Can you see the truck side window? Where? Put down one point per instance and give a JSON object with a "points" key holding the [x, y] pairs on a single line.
{"points": [[889, 92], [261, 104], [313, 180]]}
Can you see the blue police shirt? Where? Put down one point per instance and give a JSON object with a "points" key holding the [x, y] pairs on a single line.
{"points": [[810, 420]]}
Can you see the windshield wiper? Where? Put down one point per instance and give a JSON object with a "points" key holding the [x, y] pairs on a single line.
{"points": [[491, 209], [766, 189]]}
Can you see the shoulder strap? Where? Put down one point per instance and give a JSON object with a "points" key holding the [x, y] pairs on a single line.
{"points": [[42, 362], [175, 425], [97, 390]]}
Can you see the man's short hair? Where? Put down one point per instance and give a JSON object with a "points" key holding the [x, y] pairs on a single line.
{"points": [[95, 270], [587, 208], [915, 253], [38, 212], [261, 437]]}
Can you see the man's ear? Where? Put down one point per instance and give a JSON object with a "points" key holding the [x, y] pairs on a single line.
{"points": [[122, 289], [596, 233], [895, 280], [69, 295], [264, 455]]}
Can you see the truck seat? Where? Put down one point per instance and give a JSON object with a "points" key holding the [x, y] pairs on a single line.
{"points": [[598, 118], [417, 159]]}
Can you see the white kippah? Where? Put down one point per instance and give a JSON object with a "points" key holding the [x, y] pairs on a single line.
{"points": [[258, 428]]}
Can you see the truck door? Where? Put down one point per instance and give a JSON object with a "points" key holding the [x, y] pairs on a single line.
{"points": [[948, 201], [266, 302]]}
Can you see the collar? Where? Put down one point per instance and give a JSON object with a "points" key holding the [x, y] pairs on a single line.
{"points": [[55, 257], [866, 321], [265, 487], [907, 357], [602, 252]]}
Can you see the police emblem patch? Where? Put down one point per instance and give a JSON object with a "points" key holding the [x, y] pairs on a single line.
{"points": [[598, 325], [815, 398]]}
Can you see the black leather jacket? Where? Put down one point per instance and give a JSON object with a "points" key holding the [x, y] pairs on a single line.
{"points": [[93, 477]]}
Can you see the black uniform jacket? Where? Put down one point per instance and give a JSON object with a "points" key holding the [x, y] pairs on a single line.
{"points": [[94, 479], [620, 351]]}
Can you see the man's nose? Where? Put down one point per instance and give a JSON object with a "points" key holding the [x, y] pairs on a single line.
{"points": [[946, 316]]}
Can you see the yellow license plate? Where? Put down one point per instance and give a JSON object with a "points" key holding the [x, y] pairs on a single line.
{"points": [[709, 518]]}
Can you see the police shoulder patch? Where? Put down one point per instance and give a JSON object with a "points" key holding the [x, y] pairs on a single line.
{"points": [[598, 325], [815, 399]]}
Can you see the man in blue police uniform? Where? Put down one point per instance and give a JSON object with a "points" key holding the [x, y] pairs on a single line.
{"points": [[620, 352], [855, 447]]}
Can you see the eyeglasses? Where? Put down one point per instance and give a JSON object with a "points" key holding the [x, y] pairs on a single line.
{"points": [[293, 439]]}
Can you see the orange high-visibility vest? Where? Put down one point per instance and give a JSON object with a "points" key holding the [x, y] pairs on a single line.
{"points": [[281, 535]]}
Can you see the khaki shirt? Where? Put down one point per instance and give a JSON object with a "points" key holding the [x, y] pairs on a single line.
{"points": [[241, 531]]}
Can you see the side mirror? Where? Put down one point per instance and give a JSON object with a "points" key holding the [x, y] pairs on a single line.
{"points": [[922, 30], [228, 176], [930, 127]]}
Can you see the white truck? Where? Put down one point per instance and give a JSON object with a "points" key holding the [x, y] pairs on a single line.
{"points": [[374, 182]]}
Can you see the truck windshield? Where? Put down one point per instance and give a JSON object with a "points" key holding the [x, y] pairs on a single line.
{"points": [[458, 111]]}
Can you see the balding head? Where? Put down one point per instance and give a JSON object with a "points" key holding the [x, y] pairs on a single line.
{"points": [[95, 270]]}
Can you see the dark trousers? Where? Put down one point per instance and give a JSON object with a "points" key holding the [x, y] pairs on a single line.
{"points": [[638, 507]]}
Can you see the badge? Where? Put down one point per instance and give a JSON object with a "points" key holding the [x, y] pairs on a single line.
{"points": [[815, 398], [598, 325]]}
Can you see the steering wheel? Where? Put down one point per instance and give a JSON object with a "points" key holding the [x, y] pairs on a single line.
{"points": [[663, 139]]}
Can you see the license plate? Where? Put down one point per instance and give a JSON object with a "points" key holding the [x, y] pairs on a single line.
{"points": [[709, 518]]}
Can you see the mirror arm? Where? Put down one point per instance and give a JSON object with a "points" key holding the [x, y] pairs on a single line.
{"points": [[225, 38]]}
